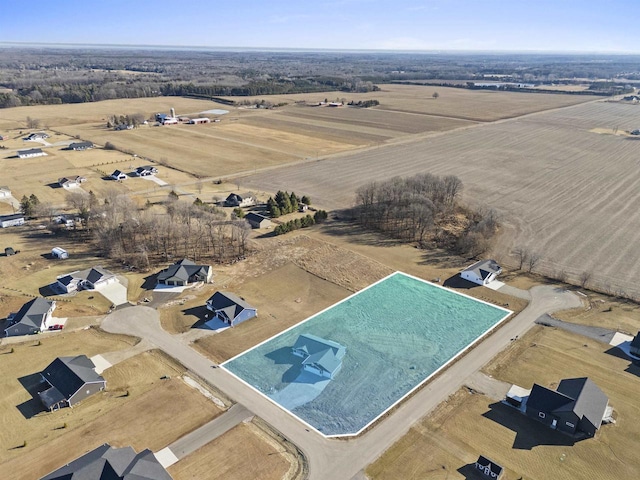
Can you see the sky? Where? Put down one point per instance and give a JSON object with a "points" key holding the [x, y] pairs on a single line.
{"points": [[608, 26]]}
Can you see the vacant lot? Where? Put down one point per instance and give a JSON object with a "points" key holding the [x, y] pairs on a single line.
{"points": [[562, 191], [606, 312], [443, 445], [243, 452]]}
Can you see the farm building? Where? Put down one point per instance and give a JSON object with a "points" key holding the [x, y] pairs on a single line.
{"points": [[576, 407], [199, 121], [31, 153], [13, 220], [320, 356], [257, 221], [5, 192], [244, 200], [59, 253], [89, 279], [34, 317], [482, 272], [183, 273], [488, 468], [107, 462], [118, 175], [170, 121], [634, 347], [146, 171], [80, 146], [71, 380], [36, 136], [230, 308], [72, 182]]}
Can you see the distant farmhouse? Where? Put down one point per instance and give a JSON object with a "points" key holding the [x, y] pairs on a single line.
{"points": [[80, 146], [5, 192], [576, 407], [110, 463], [183, 273], [320, 356], [230, 308], [31, 153], [257, 221], [35, 136], [72, 182], [199, 121], [482, 272], [71, 380], [14, 220], [118, 175], [146, 171], [34, 317], [488, 468], [244, 200], [89, 279]]}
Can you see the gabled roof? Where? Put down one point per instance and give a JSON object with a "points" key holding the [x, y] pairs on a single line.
{"points": [[75, 145], [33, 312], [148, 168], [30, 151], [636, 341], [93, 275], [324, 353], [109, 463], [230, 304], [255, 217], [12, 216], [69, 374], [117, 173], [183, 270], [484, 268], [493, 467]]}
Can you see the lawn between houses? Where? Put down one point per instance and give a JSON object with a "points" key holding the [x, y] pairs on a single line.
{"points": [[445, 443]]}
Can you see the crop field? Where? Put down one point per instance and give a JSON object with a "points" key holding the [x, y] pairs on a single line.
{"points": [[563, 191], [445, 444]]}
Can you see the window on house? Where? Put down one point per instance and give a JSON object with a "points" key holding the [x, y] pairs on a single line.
{"points": [[541, 414], [569, 424]]}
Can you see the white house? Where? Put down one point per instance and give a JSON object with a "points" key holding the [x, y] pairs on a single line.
{"points": [[14, 220], [146, 171], [71, 182], [30, 153], [5, 192], [89, 279], [244, 200], [118, 175], [482, 272]]}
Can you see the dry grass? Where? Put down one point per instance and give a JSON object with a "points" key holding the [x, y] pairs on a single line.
{"points": [[243, 452], [457, 432]]}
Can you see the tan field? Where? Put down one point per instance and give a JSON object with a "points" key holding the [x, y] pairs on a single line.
{"points": [[243, 452], [447, 442]]}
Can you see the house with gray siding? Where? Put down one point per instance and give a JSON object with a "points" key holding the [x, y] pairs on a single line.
{"points": [[320, 356], [110, 463], [33, 317], [70, 380], [183, 273], [230, 308]]}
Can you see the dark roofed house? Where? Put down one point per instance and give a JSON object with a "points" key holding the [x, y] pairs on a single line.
{"points": [[71, 182], [33, 317], [146, 171], [71, 380], [80, 146], [110, 463], [257, 221], [183, 273], [30, 153], [320, 356], [244, 200], [577, 406], [482, 272], [488, 468], [89, 279], [118, 175], [634, 347], [230, 308]]}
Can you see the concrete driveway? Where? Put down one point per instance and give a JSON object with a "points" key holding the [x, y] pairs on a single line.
{"points": [[115, 292], [339, 459]]}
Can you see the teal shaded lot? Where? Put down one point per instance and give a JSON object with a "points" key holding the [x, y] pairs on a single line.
{"points": [[397, 333]]}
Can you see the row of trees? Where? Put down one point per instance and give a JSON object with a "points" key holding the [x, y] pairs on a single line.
{"points": [[134, 119], [364, 103], [304, 222], [425, 208], [285, 202]]}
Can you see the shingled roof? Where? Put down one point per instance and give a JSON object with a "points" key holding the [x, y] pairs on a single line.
{"points": [[69, 374], [183, 271], [228, 303], [33, 312]]}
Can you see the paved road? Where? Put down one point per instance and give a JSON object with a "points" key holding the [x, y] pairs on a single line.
{"points": [[338, 459]]}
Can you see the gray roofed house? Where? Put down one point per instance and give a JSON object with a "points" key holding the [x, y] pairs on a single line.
{"points": [[482, 272], [184, 272], [230, 308], [110, 463], [30, 153], [80, 146], [634, 347], [577, 406], [257, 221], [320, 356], [71, 380], [88, 279], [33, 317]]}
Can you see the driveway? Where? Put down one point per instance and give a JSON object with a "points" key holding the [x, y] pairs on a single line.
{"points": [[115, 292], [338, 459]]}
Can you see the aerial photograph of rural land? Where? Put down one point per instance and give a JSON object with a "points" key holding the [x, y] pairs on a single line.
{"points": [[330, 240]]}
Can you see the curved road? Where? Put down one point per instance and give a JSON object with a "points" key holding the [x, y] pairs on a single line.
{"points": [[342, 459]]}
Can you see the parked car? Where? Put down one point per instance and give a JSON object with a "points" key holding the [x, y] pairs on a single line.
{"points": [[56, 327]]}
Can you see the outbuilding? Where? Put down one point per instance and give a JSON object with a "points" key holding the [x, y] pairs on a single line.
{"points": [[59, 253], [14, 220], [31, 153], [257, 221]]}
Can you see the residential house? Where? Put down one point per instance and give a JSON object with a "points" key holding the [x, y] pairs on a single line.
{"points": [[89, 279], [230, 308], [184, 272], [80, 146], [577, 406], [482, 272], [73, 182], [59, 253], [257, 221], [70, 380], [34, 317], [110, 463], [320, 356], [118, 175], [5, 192], [14, 220], [146, 171], [35, 136], [31, 153], [199, 121], [488, 468], [244, 200], [634, 347]]}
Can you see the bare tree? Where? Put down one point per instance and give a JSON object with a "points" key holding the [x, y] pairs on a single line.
{"points": [[585, 277], [532, 261], [33, 122], [522, 255], [435, 95]]}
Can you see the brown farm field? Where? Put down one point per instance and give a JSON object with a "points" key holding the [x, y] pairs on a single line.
{"points": [[446, 443]]}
